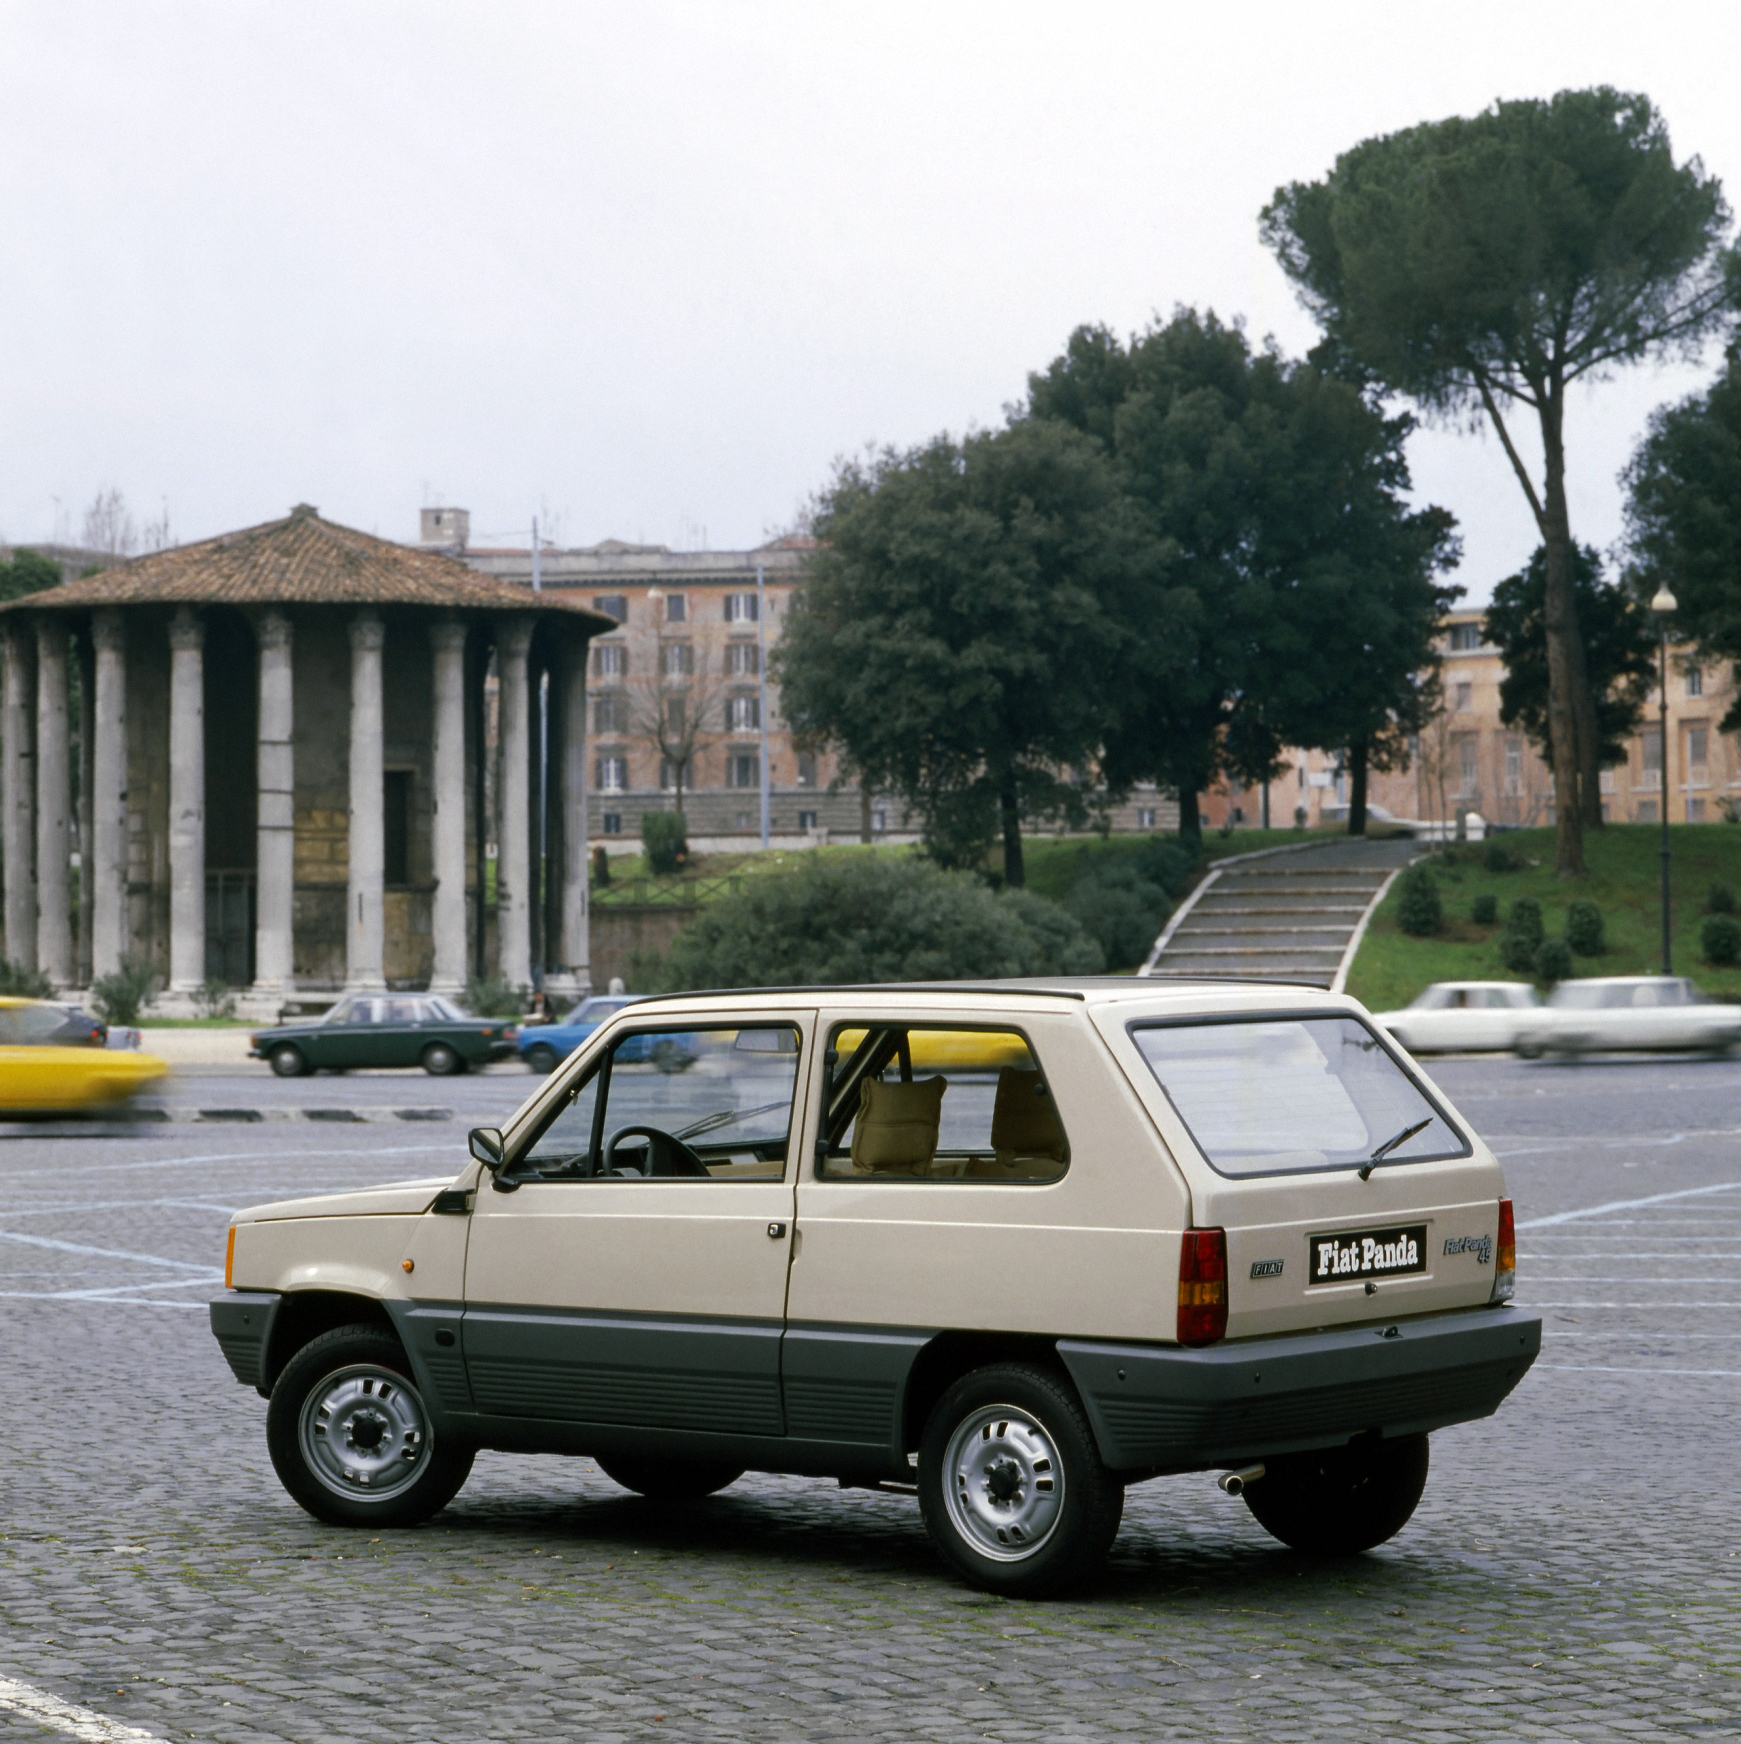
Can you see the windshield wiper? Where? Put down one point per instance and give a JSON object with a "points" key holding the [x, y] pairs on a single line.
{"points": [[1390, 1144], [725, 1117]]}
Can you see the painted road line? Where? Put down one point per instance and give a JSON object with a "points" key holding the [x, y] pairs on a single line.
{"points": [[1629, 1205], [1626, 1369], [85, 1723]]}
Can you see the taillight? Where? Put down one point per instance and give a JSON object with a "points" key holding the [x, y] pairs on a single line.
{"points": [[230, 1259], [1202, 1286], [1505, 1255]]}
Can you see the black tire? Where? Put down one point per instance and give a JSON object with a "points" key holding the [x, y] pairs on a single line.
{"points": [[670, 1480], [1527, 1050], [288, 1061], [1007, 1452], [441, 1061], [414, 1475], [1343, 1501], [542, 1058]]}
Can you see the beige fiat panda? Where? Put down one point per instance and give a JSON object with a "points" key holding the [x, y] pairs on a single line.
{"points": [[1011, 1246]]}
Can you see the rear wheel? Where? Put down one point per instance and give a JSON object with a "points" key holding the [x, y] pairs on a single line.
{"points": [[1342, 1501], [1011, 1484], [350, 1436], [670, 1480], [441, 1061], [288, 1062], [541, 1058]]}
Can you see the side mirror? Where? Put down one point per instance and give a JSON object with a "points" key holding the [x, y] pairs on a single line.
{"points": [[485, 1143]]}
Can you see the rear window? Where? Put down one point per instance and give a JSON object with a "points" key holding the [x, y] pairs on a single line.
{"points": [[1269, 1096]]}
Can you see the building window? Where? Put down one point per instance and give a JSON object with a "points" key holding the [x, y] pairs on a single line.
{"points": [[1695, 681], [1300, 770], [743, 769], [879, 822], [610, 660], [806, 769], [613, 823], [1695, 811], [1514, 766], [676, 608], [1465, 638], [743, 659], [1145, 817], [396, 825], [1651, 741], [1465, 694], [676, 660], [609, 715], [1698, 752], [676, 716], [668, 774], [1468, 778], [610, 774], [807, 821], [740, 608], [1645, 812], [613, 605], [743, 714]]}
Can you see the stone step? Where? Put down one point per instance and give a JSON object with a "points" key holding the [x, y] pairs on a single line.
{"points": [[1238, 953]]}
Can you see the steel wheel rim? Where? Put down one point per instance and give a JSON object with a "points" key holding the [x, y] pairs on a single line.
{"points": [[1003, 1483], [364, 1433]]}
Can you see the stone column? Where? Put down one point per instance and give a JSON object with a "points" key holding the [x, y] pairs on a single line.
{"points": [[54, 842], [513, 844], [109, 796], [18, 780], [275, 831], [87, 730], [576, 943], [365, 924], [187, 804], [448, 920]]}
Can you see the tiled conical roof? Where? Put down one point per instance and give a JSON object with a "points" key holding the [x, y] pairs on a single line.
{"points": [[302, 560]]}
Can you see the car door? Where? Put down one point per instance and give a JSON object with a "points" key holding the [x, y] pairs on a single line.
{"points": [[643, 1284], [400, 1037], [333, 1041]]}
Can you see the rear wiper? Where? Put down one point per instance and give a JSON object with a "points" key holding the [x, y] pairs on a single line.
{"points": [[1390, 1144]]}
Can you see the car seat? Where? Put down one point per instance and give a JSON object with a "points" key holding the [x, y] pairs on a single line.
{"points": [[1027, 1137], [896, 1129]]}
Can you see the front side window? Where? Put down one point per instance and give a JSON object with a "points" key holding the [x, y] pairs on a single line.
{"points": [[707, 1104], [1268, 1096], [909, 1103]]}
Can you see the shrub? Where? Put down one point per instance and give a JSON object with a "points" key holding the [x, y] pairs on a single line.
{"points": [[1525, 920], [665, 841], [214, 998], [1584, 927], [1166, 861], [1517, 952], [1720, 899], [1120, 909], [1553, 961], [491, 996], [1484, 910], [844, 919], [118, 997], [1500, 858], [17, 982], [1420, 911], [1720, 940]]}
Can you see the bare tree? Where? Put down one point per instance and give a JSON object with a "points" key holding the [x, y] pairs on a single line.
{"points": [[677, 714], [109, 525], [157, 534]]}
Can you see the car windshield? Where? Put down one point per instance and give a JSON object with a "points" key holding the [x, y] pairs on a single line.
{"points": [[1266, 1096], [445, 1011]]}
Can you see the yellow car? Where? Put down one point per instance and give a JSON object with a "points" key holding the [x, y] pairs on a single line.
{"points": [[53, 1062], [963, 1050]]}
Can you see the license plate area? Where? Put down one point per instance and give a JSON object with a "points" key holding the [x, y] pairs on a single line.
{"points": [[1351, 1256]]}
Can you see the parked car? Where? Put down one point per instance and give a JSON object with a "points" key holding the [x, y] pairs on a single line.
{"points": [[55, 1061], [1195, 1228], [1629, 1013], [1463, 1017], [386, 1029], [544, 1046]]}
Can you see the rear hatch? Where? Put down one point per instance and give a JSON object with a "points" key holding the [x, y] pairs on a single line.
{"points": [[1272, 1104]]}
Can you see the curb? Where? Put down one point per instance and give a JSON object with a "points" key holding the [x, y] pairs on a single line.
{"points": [[125, 1119]]}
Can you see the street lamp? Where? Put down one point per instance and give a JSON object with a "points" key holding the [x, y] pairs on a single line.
{"points": [[1663, 603]]}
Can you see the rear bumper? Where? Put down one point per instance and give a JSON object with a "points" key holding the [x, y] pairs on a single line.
{"points": [[1160, 1407]]}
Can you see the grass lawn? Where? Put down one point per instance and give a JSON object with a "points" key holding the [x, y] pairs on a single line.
{"points": [[1623, 881]]}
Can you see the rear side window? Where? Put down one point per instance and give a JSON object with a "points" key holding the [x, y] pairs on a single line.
{"points": [[1270, 1096], [908, 1103]]}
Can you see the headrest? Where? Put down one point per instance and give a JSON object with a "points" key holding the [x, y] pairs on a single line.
{"points": [[1024, 1118], [897, 1125]]}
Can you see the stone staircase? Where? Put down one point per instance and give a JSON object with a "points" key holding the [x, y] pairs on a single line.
{"points": [[1287, 916]]}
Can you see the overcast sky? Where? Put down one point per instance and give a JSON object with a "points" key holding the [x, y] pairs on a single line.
{"points": [[648, 268]]}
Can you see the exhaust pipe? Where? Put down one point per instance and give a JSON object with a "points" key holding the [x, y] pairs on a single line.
{"points": [[1237, 1483]]}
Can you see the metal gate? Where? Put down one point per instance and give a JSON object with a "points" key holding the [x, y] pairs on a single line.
{"points": [[230, 928]]}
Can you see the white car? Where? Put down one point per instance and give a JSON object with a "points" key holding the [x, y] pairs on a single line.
{"points": [[1629, 1013], [1464, 1017]]}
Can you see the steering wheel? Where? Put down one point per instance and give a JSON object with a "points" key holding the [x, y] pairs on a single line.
{"points": [[666, 1156]]}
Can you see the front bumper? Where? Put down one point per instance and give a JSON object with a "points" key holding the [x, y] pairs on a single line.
{"points": [[1162, 1407], [242, 1324]]}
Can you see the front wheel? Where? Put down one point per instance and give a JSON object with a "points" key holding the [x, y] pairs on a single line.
{"points": [[1342, 1501], [1011, 1484], [541, 1057], [350, 1436], [441, 1061], [670, 1480], [288, 1062]]}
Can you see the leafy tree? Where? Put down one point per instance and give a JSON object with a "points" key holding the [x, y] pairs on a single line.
{"points": [[1684, 513], [28, 572], [860, 918], [1297, 601], [1482, 266], [1420, 910], [965, 629], [1619, 654]]}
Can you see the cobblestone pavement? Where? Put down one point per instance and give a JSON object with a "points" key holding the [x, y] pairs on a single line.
{"points": [[1572, 1573]]}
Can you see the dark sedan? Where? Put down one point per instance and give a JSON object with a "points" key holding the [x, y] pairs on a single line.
{"points": [[387, 1029]]}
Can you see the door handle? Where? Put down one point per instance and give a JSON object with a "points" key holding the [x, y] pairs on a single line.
{"points": [[776, 1231]]}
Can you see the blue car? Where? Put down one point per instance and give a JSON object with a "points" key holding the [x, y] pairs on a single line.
{"points": [[544, 1045]]}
